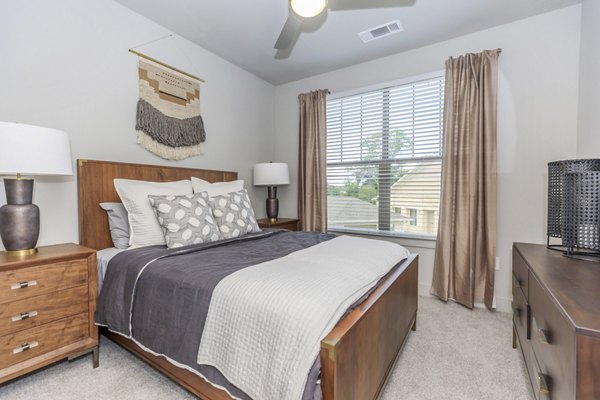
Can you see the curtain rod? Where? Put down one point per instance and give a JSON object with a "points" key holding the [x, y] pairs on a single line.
{"points": [[165, 65]]}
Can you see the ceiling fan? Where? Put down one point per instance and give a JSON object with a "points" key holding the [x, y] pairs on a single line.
{"points": [[301, 10]]}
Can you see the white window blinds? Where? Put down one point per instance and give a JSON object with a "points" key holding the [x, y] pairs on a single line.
{"points": [[384, 150]]}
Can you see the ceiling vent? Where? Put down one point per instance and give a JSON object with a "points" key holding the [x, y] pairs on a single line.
{"points": [[380, 31]]}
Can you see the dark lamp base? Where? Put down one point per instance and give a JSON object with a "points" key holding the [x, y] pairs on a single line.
{"points": [[272, 204], [19, 219]]}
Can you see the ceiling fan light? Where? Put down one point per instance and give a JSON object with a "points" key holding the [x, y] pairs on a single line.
{"points": [[308, 8]]}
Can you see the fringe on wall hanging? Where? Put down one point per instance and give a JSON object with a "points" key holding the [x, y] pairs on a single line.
{"points": [[168, 112]]}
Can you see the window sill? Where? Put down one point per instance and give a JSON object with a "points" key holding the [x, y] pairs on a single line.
{"points": [[408, 239]]}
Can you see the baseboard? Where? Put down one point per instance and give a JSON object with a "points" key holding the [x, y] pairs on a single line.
{"points": [[503, 304], [424, 289]]}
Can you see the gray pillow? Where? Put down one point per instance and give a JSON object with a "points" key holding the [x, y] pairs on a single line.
{"points": [[118, 223], [185, 219], [234, 214]]}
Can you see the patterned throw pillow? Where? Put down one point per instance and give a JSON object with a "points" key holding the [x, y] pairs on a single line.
{"points": [[185, 219], [234, 214]]}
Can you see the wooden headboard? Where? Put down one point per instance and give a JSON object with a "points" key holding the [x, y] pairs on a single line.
{"points": [[95, 186]]}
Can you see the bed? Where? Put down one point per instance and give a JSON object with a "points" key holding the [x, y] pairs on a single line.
{"points": [[358, 353]]}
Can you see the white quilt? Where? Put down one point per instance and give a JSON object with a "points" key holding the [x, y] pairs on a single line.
{"points": [[265, 322]]}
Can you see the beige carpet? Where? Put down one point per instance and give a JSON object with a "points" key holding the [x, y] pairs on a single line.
{"points": [[454, 354]]}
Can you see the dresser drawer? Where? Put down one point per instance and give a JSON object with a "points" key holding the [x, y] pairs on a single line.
{"points": [[34, 281], [540, 382], [520, 274], [520, 315], [34, 311], [553, 342], [23, 345]]}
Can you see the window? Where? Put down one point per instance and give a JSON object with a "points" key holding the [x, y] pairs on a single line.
{"points": [[413, 216], [384, 150]]}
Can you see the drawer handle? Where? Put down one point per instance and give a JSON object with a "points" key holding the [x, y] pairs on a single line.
{"points": [[543, 384], [517, 283], [25, 347], [543, 336], [24, 315], [22, 285], [517, 312]]}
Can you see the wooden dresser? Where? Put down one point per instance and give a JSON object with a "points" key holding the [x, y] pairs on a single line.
{"points": [[47, 306], [282, 223], [556, 302]]}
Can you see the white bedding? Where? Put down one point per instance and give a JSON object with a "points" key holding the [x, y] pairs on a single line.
{"points": [[265, 322], [102, 259]]}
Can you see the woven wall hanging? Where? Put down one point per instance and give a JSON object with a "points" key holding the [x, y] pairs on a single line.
{"points": [[168, 112]]}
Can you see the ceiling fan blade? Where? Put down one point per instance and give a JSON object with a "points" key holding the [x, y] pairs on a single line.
{"points": [[289, 32], [364, 4]]}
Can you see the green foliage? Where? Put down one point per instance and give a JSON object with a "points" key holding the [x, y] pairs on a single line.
{"points": [[333, 190], [364, 183], [398, 143]]}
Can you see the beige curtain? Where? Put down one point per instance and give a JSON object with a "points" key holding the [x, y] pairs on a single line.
{"points": [[466, 243], [312, 190]]}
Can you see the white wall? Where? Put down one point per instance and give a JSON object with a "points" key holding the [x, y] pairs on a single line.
{"points": [[537, 120], [588, 143], [64, 64]]}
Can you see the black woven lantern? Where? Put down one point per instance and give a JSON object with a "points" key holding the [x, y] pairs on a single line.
{"points": [[556, 177], [581, 212]]}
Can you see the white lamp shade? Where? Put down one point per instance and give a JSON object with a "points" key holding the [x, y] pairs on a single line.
{"points": [[33, 150], [271, 174]]}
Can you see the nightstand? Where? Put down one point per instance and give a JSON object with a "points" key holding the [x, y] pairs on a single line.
{"points": [[47, 306], [292, 224]]}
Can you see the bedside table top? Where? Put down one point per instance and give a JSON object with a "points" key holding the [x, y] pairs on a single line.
{"points": [[57, 252], [265, 222]]}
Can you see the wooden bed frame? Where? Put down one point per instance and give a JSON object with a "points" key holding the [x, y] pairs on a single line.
{"points": [[357, 356]]}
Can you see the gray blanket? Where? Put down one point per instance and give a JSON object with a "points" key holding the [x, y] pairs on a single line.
{"points": [[169, 292]]}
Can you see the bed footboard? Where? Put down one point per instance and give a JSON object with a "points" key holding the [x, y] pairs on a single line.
{"points": [[359, 354]]}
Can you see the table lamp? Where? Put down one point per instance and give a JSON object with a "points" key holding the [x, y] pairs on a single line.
{"points": [[27, 150], [271, 175]]}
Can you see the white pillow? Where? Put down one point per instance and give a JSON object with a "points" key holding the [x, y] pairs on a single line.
{"points": [[144, 227], [217, 188]]}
